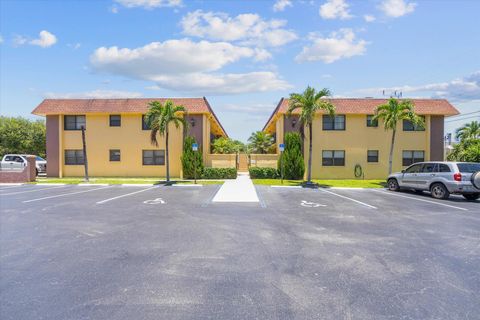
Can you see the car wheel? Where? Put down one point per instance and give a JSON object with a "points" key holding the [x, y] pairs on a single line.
{"points": [[392, 185], [475, 179], [439, 191], [36, 172], [472, 196]]}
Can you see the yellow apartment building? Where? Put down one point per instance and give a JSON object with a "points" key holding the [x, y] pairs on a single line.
{"points": [[351, 140], [117, 139]]}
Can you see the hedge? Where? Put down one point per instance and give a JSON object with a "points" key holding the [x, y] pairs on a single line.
{"points": [[263, 173], [219, 173]]}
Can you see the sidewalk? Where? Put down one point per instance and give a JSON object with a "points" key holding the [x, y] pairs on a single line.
{"points": [[238, 190]]}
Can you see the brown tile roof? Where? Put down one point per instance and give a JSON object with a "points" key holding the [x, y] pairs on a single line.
{"points": [[72, 106], [136, 105], [368, 106]]}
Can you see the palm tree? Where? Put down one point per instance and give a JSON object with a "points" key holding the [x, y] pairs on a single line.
{"points": [[158, 118], [309, 102], [392, 113], [261, 142], [469, 131]]}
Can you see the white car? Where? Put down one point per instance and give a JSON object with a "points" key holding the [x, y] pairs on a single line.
{"points": [[440, 178], [19, 161]]}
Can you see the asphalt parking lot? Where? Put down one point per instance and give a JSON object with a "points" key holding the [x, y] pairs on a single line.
{"points": [[113, 252]]}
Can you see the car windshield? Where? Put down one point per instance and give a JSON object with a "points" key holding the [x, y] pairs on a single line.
{"points": [[40, 159], [468, 167]]}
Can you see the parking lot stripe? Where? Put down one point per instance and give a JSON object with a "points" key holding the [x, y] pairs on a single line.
{"points": [[423, 200], [40, 189], [351, 199], [64, 194], [125, 195]]}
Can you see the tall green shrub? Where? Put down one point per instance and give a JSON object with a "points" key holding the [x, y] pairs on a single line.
{"points": [[21, 135], [292, 157], [190, 158]]}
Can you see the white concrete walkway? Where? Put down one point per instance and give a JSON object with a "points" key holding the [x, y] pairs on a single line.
{"points": [[238, 190]]}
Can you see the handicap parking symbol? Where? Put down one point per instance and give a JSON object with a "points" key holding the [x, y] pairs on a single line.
{"points": [[155, 201], [311, 204]]}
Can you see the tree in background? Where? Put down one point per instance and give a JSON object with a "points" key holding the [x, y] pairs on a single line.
{"points": [[190, 159], [261, 142], [225, 145], [309, 102], [468, 149], [292, 157], [23, 136], [158, 119], [469, 131], [392, 113]]}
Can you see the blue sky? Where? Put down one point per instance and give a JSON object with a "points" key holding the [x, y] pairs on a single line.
{"points": [[242, 55]]}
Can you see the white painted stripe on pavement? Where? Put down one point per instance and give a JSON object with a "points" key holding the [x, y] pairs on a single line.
{"points": [[7, 184], [125, 195], [65, 194], [423, 200], [289, 187], [36, 190], [348, 198]]}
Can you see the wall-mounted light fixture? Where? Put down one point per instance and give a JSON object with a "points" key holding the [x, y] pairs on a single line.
{"points": [[192, 122], [294, 122]]}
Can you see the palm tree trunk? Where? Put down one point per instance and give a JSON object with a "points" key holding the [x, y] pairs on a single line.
{"points": [[390, 158], [310, 147], [166, 155]]}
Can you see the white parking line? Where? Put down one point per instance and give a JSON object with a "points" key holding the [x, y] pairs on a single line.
{"points": [[354, 200], [40, 189], [64, 194], [125, 195], [423, 200]]}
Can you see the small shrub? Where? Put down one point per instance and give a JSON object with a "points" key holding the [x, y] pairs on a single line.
{"points": [[263, 173], [219, 173], [191, 158]]}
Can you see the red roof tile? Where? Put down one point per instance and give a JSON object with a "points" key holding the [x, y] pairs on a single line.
{"points": [[368, 106], [136, 105], [71, 106]]}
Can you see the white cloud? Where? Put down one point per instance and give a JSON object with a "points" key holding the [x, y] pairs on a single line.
{"points": [[19, 40], [397, 8], [74, 46], [248, 28], [188, 66], [369, 18], [231, 83], [95, 94], [149, 4], [45, 40], [459, 89], [113, 9], [335, 9], [280, 5], [339, 45]]}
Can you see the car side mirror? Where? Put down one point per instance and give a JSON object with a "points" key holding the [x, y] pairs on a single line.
{"points": [[403, 171]]}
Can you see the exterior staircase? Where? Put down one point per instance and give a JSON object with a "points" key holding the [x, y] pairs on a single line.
{"points": [[242, 162]]}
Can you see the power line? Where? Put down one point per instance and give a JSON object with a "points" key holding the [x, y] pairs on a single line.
{"points": [[465, 114], [462, 119]]}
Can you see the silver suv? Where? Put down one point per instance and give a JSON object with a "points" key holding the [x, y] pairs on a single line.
{"points": [[440, 178]]}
